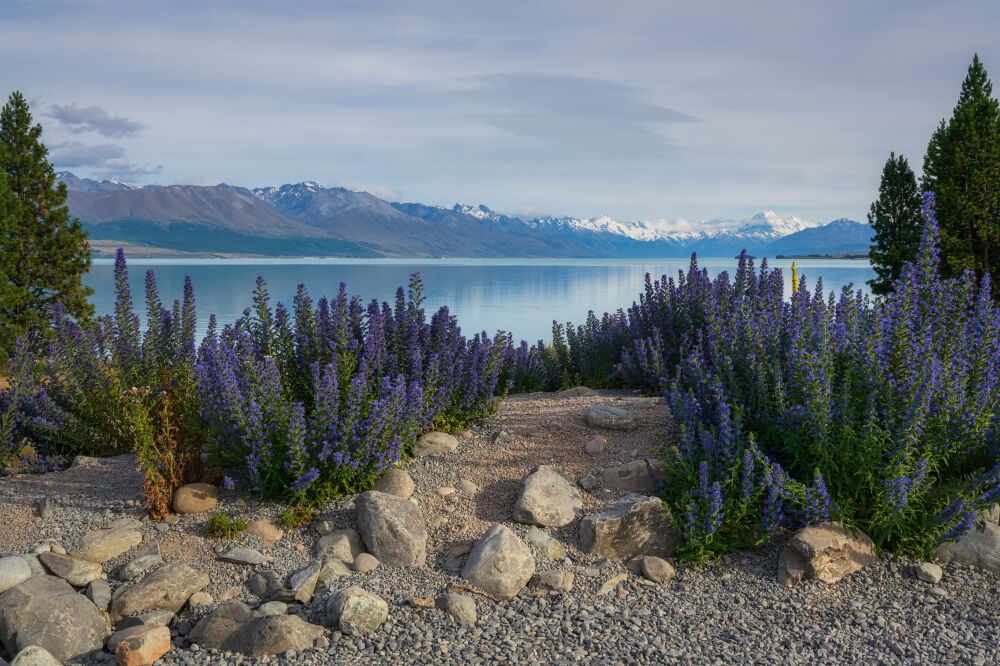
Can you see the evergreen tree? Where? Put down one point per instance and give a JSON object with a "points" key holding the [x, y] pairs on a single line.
{"points": [[896, 223], [43, 252], [962, 168]]}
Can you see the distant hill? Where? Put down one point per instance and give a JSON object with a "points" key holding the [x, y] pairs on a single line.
{"points": [[308, 219], [841, 236]]}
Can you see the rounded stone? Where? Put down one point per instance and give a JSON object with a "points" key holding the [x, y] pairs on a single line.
{"points": [[395, 482], [610, 418], [365, 562], [195, 498], [595, 445], [13, 571], [265, 530], [657, 569]]}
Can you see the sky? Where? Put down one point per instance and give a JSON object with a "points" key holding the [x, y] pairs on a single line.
{"points": [[666, 112]]}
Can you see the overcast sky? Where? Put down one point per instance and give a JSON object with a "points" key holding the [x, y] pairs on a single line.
{"points": [[640, 110]]}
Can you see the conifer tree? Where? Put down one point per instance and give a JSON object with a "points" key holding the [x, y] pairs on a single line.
{"points": [[962, 168], [43, 252], [896, 223]]}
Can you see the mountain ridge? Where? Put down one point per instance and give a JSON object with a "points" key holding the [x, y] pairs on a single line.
{"points": [[307, 218]]}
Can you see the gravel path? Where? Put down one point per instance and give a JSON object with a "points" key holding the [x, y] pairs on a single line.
{"points": [[731, 611]]}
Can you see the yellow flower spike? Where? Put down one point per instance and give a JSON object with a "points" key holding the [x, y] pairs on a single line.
{"points": [[795, 279]]}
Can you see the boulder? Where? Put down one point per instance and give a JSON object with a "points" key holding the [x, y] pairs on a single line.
{"points": [[74, 570], [99, 592], [167, 588], [245, 556], [633, 476], [632, 527], [980, 547], [14, 570], [595, 445], [141, 563], [34, 655], [656, 569], [548, 499], [272, 608], [155, 618], [196, 498], [103, 545], [549, 548], [554, 581], [928, 572], [331, 570], [392, 529], [610, 418], [214, 629], [122, 634], [273, 634], [434, 442], [826, 551], [576, 392], [395, 482], [265, 530], [365, 562], [267, 585], [459, 607], [34, 564], [344, 545], [500, 563], [29, 612], [144, 647], [356, 611], [302, 582]]}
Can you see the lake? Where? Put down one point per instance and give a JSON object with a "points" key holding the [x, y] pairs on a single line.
{"points": [[521, 296]]}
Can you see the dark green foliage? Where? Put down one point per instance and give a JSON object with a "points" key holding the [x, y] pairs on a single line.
{"points": [[221, 526], [43, 253], [895, 219], [962, 167]]}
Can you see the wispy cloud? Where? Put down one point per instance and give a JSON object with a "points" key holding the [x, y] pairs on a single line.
{"points": [[107, 160], [94, 119]]}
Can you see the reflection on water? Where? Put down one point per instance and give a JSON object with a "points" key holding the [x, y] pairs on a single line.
{"points": [[522, 296]]}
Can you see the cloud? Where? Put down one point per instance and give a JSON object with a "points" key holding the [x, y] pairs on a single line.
{"points": [[94, 119], [384, 193], [106, 159], [75, 154]]}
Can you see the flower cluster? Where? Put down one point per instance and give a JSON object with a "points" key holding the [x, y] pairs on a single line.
{"points": [[321, 400]]}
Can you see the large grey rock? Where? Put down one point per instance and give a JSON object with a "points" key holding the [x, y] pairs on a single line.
{"points": [[273, 634], [633, 476], [395, 482], [980, 547], [459, 607], [29, 612], [549, 548], [554, 581], [302, 582], [500, 563], [331, 570], [103, 545], [356, 611], [267, 585], [74, 570], [548, 499], [244, 556], [34, 564], [345, 545], [434, 442], [214, 629], [13, 571], [166, 588], [632, 527], [141, 563], [154, 618], [392, 529], [610, 418], [99, 592], [34, 655], [826, 551]]}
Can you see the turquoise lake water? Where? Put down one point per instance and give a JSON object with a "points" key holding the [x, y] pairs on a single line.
{"points": [[521, 296]]}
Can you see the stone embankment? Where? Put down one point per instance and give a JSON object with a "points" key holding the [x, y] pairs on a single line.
{"points": [[531, 538]]}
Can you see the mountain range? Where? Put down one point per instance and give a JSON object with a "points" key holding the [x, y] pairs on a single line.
{"points": [[306, 219]]}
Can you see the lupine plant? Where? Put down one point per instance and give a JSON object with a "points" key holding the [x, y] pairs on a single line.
{"points": [[321, 400], [111, 388]]}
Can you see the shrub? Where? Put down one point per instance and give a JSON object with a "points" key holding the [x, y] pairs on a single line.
{"points": [[296, 516], [319, 401], [221, 526], [110, 388]]}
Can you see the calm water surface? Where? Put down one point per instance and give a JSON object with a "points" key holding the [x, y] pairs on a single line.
{"points": [[521, 296]]}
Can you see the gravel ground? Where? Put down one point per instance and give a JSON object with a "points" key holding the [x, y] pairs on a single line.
{"points": [[731, 611]]}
